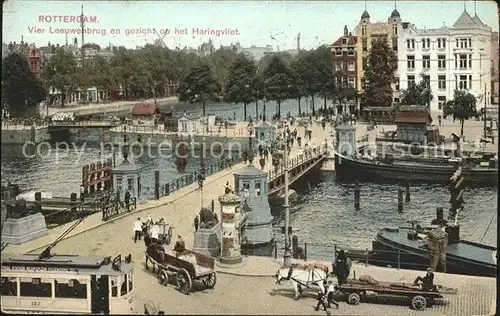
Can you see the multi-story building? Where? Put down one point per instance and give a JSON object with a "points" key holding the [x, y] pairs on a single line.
{"points": [[344, 57], [366, 32], [494, 68], [452, 58], [35, 61]]}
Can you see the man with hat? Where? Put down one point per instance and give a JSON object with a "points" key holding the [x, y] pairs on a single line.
{"points": [[427, 281], [179, 247], [329, 294]]}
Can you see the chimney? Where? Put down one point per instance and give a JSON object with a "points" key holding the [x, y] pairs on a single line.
{"points": [[22, 39], [346, 31]]}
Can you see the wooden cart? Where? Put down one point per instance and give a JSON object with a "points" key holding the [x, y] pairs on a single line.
{"points": [[186, 268], [420, 299]]}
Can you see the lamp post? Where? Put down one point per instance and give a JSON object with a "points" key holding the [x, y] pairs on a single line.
{"points": [[287, 256], [250, 129], [246, 90]]}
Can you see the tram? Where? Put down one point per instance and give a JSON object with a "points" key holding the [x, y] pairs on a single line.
{"points": [[67, 284]]}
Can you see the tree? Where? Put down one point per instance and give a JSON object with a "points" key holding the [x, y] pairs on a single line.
{"points": [[417, 94], [299, 88], [61, 73], [240, 83], [462, 107], [199, 86], [222, 60], [278, 81], [103, 76], [310, 76], [21, 91], [379, 74]]}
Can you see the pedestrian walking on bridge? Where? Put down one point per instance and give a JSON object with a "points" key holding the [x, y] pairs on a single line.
{"points": [[137, 229], [321, 301], [196, 223]]}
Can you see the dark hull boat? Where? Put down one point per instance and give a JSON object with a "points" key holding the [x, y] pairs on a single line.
{"points": [[414, 247], [427, 172]]}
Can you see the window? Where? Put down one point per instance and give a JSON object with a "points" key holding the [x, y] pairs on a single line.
{"points": [[123, 287], [338, 65], [257, 188], [344, 41], [470, 61], [442, 61], [35, 287], [395, 30], [350, 82], [395, 44], [350, 66], [184, 126], [396, 82], [441, 82], [114, 286], [130, 186], [426, 43], [246, 189], [441, 102], [363, 31], [427, 80], [463, 82], [470, 42], [441, 42], [9, 286], [350, 51], [119, 183], [65, 288], [426, 62], [463, 61], [411, 62], [338, 51], [470, 81], [365, 44], [463, 42], [411, 80], [410, 44]]}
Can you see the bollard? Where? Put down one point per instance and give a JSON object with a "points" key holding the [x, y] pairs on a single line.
{"points": [[38, 199], [305, 251], [400, 199], [407, 199], [356, 196], [295, 247], [275, 249], [73, 199], [157, 185], [213, 205]]}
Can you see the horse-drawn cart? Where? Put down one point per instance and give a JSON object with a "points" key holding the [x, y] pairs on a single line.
{"points": [[186, 268], [420, 298]]}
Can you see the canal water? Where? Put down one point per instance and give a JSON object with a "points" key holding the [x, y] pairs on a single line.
{"points": [[323, 214]]}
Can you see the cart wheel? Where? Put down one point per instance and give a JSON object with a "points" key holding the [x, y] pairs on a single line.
{"points": [[163, 277], [353, 299], [184, 281], [210, 281], [418, 302]]}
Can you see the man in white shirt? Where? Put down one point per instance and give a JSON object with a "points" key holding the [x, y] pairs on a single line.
{"points": [[330, 292], [155, 231], [137, 229]]}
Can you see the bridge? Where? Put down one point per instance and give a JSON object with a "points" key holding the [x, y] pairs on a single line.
{"points": [[297, 167], [83, 124]]}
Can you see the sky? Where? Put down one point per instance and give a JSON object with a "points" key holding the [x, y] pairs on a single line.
{"points": [[259, 23]]}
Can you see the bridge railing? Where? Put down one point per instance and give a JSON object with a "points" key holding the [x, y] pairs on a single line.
{"points": [[300, 159], [85, 123]]}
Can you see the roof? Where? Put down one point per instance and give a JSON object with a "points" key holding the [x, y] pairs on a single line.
{"points": [[365, 15], [145, 109], [464, 21], [251, 171], [351, 40], [395, 14], [416, 116]]}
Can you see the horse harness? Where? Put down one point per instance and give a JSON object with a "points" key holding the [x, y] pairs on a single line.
{"points": [[289, 277]]}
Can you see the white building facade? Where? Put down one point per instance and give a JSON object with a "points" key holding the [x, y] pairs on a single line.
{"points": [[449, 58]]}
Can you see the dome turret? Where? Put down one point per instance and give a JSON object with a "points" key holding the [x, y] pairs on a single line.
{"points": [[365, 15], [395, 14]]}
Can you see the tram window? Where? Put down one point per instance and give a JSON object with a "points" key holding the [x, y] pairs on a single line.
{"points": [[123, 288], [114, 287], [9, 286], [130, 285], [35, 287], [65, 288]]}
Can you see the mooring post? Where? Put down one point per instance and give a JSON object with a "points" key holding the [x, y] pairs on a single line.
{"points": [[213, 205], [38, 201], [157, 185], [73, 199], [305, 251], [356, 196], [407, 199], [400, 199]]}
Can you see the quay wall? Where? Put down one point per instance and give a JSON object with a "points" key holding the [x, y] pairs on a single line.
{"points": [[25, 134]]}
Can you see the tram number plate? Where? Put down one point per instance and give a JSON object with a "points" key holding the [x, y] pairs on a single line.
{"points": [[35, 303]]}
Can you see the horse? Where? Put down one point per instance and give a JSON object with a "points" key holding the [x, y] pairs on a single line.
{"points": [[302, 276]]}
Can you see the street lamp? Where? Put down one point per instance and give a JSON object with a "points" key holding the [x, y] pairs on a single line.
{"points": [[246, 87], [250, 129], [287, 256]]}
